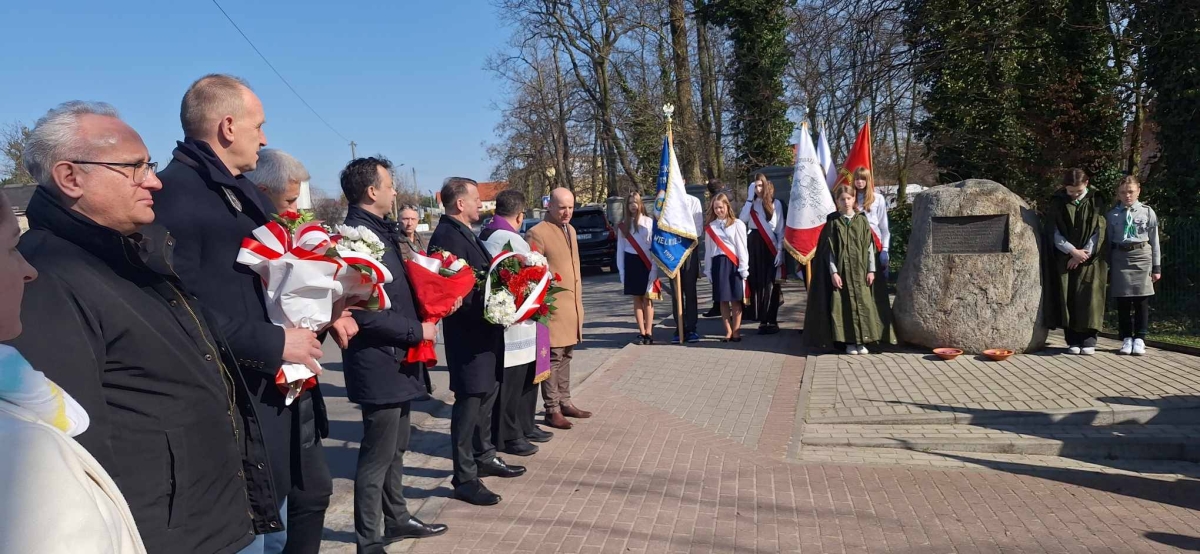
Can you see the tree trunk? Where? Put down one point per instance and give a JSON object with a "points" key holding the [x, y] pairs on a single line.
{"points": [[1135, 139], [683, 92], [707, 91]]}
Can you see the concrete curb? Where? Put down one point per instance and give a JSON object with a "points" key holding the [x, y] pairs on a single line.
{"points": [[1178, 448], [1186, 412]]}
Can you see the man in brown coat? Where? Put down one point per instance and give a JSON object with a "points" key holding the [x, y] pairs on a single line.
{"points": [[555, 238]]}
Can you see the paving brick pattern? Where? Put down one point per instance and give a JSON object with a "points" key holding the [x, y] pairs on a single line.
{"points": [[910, 382], [728, 392], [639, 479], [1159, 470]]}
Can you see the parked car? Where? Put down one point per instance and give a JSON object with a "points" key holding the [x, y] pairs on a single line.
{"points": [[528, 224], [597, 238]]}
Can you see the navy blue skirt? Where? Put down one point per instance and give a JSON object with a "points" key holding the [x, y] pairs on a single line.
{"points": [[727, 283], [637, 275]]}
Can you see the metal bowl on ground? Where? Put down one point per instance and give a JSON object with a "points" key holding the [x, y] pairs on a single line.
{"points": [[998, 354], [947, 353]]}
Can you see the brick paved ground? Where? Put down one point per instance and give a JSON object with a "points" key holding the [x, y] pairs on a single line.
{"points": [[904, 382], [639, 478]]}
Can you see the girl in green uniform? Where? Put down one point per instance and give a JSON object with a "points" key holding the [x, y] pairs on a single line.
{"points": [[1076, 231], [841, 304]]}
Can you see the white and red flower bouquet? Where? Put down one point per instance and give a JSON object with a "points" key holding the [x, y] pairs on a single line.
{"points": [[520, 287], [310, 272], [439, 280]]}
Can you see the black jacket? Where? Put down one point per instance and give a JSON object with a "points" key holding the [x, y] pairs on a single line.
{"points": [[374, 364], [474, 347], [108, 321], [209, 212]]}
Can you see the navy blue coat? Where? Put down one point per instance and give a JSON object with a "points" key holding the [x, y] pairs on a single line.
{"points": [[374, 363], [209, 212], [474, 347]]}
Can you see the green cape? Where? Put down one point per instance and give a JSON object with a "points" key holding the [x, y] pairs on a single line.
{"points": [[851, 314], [1075, 298]]}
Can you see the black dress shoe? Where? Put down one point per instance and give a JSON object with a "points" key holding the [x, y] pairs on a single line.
{"points": [[477, 494], [712, 313], [539, 435], [519, 447], [497, 468], [413, 528]]}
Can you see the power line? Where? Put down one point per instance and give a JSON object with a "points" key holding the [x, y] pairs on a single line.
{"points": [[277, 73]]}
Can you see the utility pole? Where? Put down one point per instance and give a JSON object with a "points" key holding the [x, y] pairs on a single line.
{"points": [[353, 156]]}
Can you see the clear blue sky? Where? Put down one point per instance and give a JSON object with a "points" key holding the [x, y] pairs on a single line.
{"points": [[402, 78]]}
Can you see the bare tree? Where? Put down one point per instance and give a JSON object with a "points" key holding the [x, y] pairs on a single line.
{"points": [[12, 168]]}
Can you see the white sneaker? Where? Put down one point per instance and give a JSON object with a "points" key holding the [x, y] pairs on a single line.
{"points": [[1126, 346], [1139, 347], [1087, 350], [1073, 350], [862, 349], [851, 350]]}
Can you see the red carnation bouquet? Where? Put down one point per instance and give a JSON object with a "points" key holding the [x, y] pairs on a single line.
{"points": [[439, 279], [520, 287]]}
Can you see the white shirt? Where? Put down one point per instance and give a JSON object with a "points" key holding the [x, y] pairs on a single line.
{"points": [[877, 217], [642, 234], [734, 236]]}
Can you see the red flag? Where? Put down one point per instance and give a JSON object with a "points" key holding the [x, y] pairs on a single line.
{"points": [[860, 156]]}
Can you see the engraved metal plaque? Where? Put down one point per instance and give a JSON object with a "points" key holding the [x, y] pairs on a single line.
{"points": [[976, 234]]}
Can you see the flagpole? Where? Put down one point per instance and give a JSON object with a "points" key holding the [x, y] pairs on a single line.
{"points": [[675, 282]]}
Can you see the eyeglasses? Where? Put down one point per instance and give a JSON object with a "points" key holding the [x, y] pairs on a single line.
{"points": [[141, 170]]}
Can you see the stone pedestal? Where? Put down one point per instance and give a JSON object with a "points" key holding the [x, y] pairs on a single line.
{"points": [[972, 277]]}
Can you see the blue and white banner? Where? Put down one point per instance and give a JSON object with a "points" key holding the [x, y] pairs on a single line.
{"points": [[675, 231]]}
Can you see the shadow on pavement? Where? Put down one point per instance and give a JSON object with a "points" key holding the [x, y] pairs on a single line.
{"points": [[1182, 542]]}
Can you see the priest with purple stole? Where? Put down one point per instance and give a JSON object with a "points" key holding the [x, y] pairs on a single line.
{"points": [[526, 345]]}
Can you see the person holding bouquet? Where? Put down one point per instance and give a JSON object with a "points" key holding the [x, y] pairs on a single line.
{"points": [[474, 353], [513, 424], [377, 377]]}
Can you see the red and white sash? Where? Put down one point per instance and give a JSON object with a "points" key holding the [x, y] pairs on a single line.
{"points": [[757, 214], [729, 253], [654, 288]]}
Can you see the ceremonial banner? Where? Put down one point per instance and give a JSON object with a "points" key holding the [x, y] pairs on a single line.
{"points": [[675, 231], [860, 156], [810, 203], [825, 156]]}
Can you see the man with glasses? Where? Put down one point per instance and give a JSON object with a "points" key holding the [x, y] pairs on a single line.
{"points": [[209, 205], [110, 322]]}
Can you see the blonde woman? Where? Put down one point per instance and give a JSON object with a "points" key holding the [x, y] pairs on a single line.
{"points": [[639, 276], [764, 217], [874, 207], [726, 263]]}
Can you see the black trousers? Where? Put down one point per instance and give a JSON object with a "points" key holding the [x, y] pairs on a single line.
{"points": [[1137, 323], [378, 487], [307, 502], [471, 433], [1086, 339], [689, 273], [512, 416]]}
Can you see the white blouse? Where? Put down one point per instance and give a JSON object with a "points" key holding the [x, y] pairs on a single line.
{"points": [[775, 224], [642, 234], [878, 218], [734, 236]]}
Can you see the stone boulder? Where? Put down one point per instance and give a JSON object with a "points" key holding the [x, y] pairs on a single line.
{"points": [[972, 277]]}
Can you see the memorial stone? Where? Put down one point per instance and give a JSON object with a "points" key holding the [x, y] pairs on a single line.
{"points": [[972, 278]]}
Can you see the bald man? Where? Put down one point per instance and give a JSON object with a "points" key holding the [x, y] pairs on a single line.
{"points": [[555, 237]]}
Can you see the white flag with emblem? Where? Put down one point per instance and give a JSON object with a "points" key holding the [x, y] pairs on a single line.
{"points": [[810, 202]]}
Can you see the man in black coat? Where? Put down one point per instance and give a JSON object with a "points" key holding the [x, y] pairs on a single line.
{"points": [[474, 353], [377, 378], [210, 206], [110, 322]]}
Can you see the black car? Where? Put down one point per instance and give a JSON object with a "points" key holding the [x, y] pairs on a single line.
{"points": [[597, 239]]}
